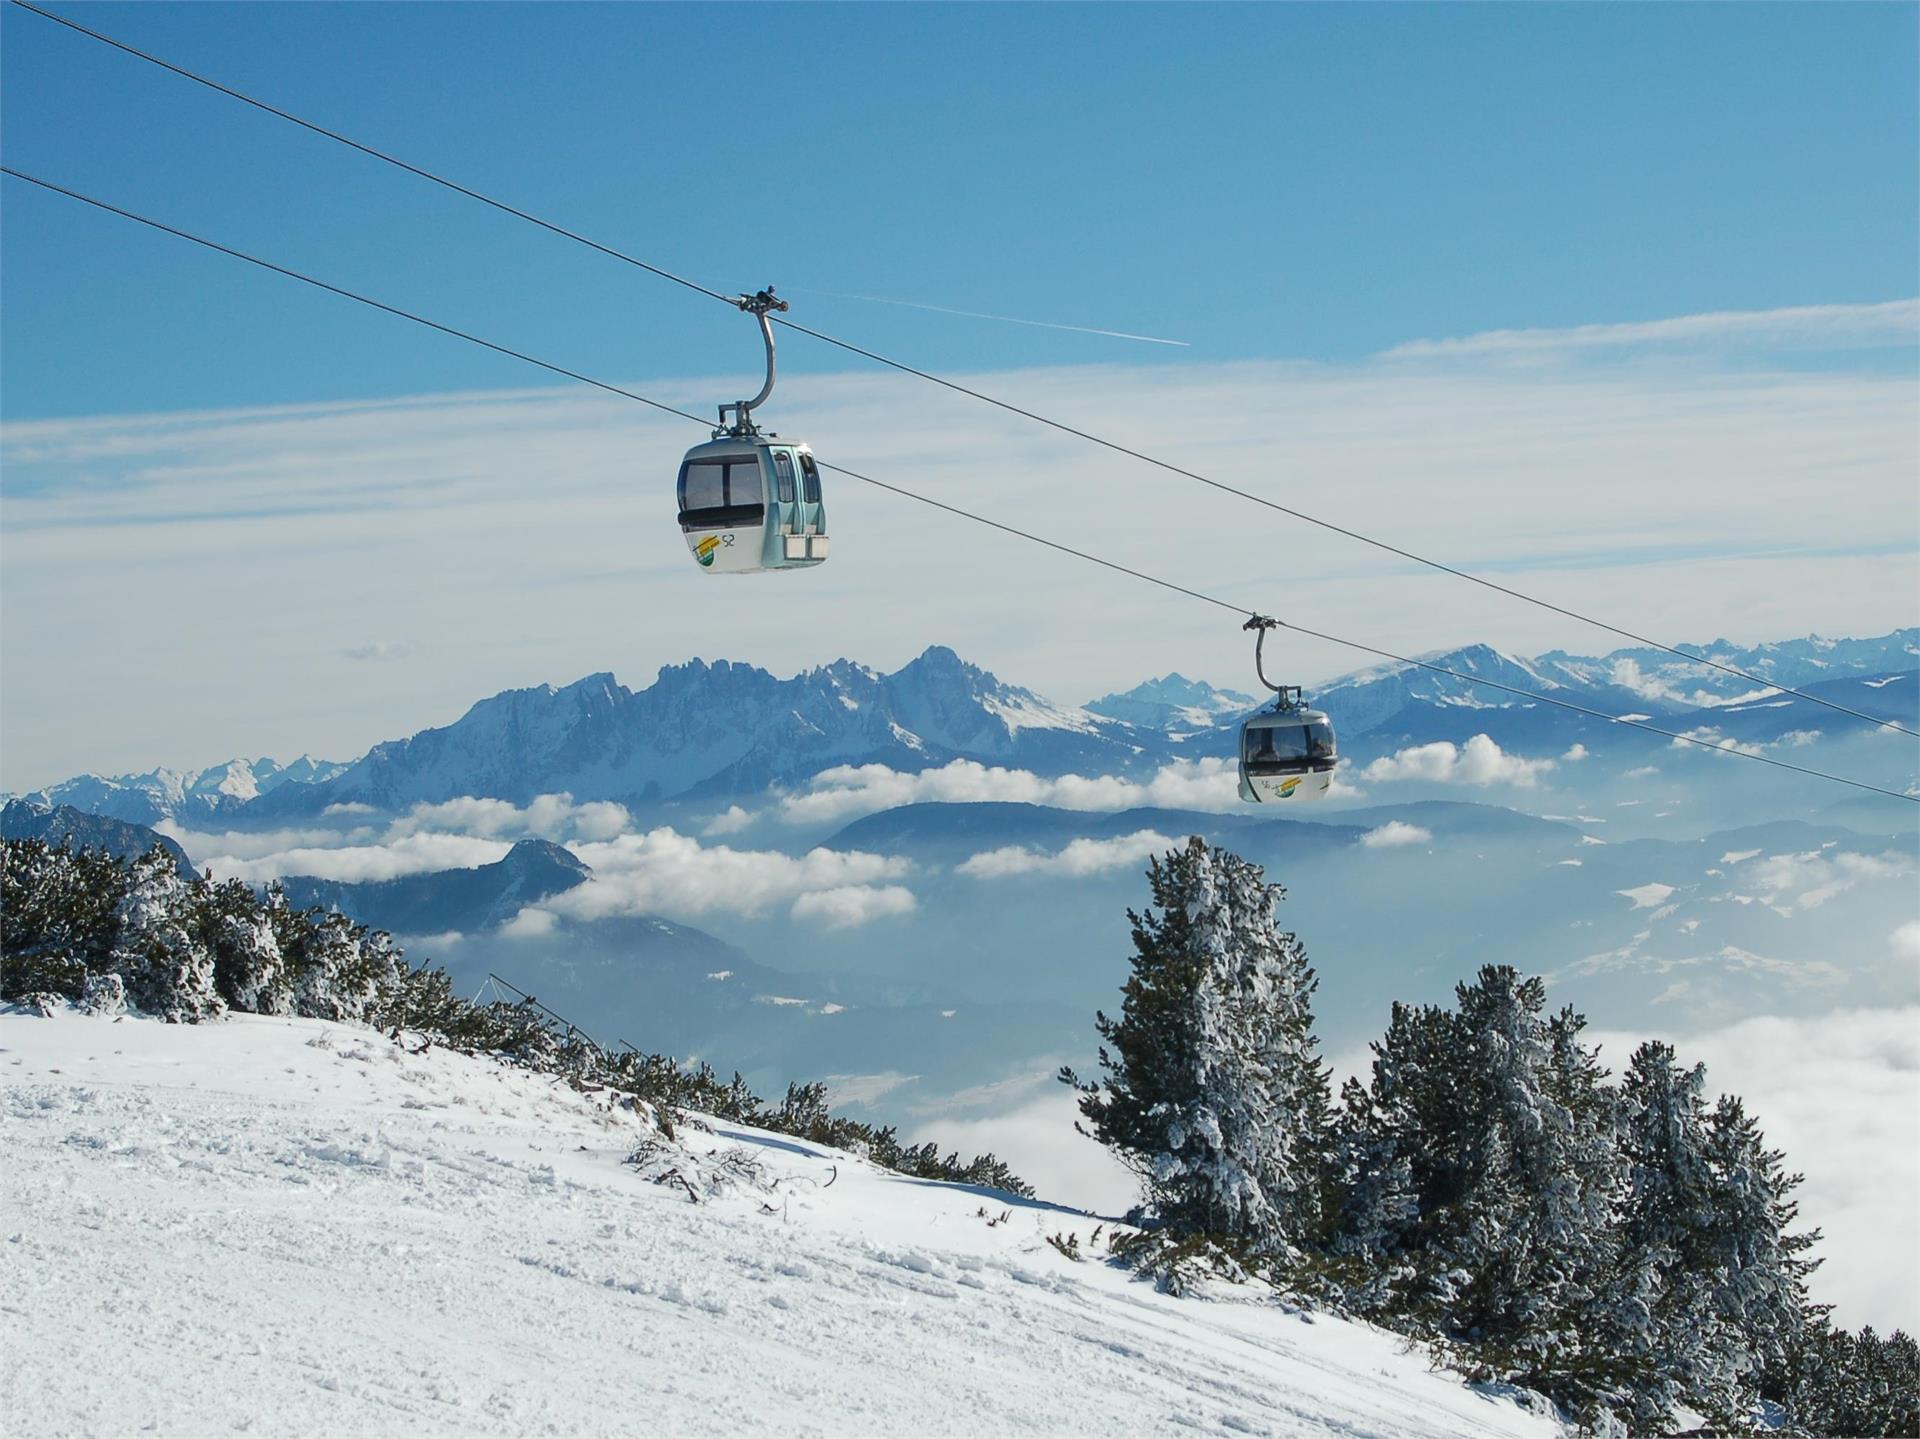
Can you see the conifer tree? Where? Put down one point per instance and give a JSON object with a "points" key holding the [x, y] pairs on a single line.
{"points": [[249, 968], [1762, 1270], [1486, 1177], [1667, 1218], [1213, 1092], [167, 971]]}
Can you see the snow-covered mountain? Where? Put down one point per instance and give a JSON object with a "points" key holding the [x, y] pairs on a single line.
{"points": [[1174, 703], [722, 728], [1654, 674], [1645, 681], [338, 1233], [185, 795]]}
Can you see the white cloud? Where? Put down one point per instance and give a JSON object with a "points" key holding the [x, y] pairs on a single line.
{"points": [[1645, 771], [1037, 1139], [1710, 737], [664, 871], [550, 816], [732, 821], [844, 791], [1840, 1094], [356, 863], [849, 905], [1080, 858], [1797, 739], [234, 845], [457, 834], [378, 650], [1811, 878], [1906, 941], [1394, 833], [1890, 323], [1480, 761], [1575, 753], [531, 923]]}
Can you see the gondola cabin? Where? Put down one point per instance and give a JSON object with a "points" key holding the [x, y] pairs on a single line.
{"points": [[752, 502], [1286, 753]]}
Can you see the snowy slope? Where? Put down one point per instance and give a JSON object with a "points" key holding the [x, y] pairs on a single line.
{"points": [[306, 1228]]}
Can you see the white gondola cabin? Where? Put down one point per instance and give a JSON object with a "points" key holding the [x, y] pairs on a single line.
{"points": [[751, 501], [1288, 751]]}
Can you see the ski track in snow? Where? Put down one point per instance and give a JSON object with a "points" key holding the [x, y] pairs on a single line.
{"points": [[292, 1227]]}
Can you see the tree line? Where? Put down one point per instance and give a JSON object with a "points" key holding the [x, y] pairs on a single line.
{"points": [[1628, 1248]]}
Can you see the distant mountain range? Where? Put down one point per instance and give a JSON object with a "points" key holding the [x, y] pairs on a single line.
{"points": [[703, 732], [1645, 681], [1175, 704]]}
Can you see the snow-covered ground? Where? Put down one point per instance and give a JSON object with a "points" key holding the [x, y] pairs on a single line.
{"points": [[297, 1228]]}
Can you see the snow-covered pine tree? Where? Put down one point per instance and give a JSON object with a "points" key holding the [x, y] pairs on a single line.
{"points": [[1484, 1173], [249, 968], [166, 969], [57, 917], [1669, 1270], [1762, 1271], [1833, 1382], [337, 969], [1213, 1092]]}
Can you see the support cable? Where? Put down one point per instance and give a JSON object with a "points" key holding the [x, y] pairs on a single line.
{"points": [[979, 519]]}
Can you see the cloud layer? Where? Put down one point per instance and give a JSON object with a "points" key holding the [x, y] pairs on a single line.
{"points": [[847, 791]]}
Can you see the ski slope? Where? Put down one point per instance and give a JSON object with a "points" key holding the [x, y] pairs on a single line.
{"points": [[294, 1227]]}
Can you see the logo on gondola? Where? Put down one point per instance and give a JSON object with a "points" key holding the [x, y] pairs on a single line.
{"points": [[1287, 787], [703, 551]]}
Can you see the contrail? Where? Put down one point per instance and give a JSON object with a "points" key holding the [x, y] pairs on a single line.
{"points": [[1004, 319]]}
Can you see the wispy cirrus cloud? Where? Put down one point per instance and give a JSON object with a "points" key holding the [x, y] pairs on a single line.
{"points": [[1887, 324]]}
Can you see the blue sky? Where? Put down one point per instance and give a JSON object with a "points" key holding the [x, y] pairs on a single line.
{"points": [[1312, 182]]}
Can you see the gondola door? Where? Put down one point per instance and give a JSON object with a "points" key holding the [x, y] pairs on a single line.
{"points": [[785, 529]]}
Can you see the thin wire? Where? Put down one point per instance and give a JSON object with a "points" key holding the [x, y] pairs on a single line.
{"points": [[953, 509], [954, 385]]}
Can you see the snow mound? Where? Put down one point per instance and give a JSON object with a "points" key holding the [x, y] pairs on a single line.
{"points": [[317, 1228]]}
